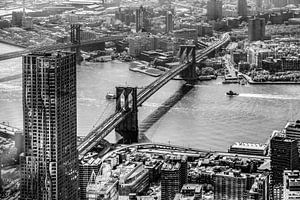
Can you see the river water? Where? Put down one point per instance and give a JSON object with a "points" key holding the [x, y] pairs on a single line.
{"points": [[202, 116]]}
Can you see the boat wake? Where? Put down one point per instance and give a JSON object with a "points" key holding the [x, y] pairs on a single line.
{"points": [[270, 96]]}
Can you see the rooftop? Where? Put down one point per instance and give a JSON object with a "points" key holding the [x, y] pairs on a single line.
{"points": [[171, 166], [249, 146]]}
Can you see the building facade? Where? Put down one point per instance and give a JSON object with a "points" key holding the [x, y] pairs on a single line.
{"points": [[169, 22], [284, 155], [256, 29], [242, 8], [232, 185], [142, 19], [214, 9], [49, 164], [292, 131], [291, 184]]}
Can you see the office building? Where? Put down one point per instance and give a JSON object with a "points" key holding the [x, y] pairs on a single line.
{"points": [[214, 9], [172, 178], [190, 192], [249, 149], [232, 184], [142, 20], [242, 8], [260, 189], [284, 155], [49, 164], [277, 192], [256, 29], [169, 22], [135, 181], [86, 167], [292, 131], [291, 184], [141, 42], [187, 34], [17, 18], [102, 186]]}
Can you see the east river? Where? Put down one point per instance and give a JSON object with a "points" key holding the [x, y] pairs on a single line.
{"points": [[204, 117]]}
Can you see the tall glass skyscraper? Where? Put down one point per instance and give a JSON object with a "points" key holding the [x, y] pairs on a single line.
{"points": [[49, 164]]}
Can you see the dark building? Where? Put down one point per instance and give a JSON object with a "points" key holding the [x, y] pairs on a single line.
{"points": [[85, 172], [16, 19], [284, 155], [173, 177], [170, 180], [49, 164], [292, 131], [142, 20], [169, 22], [214, 9], [242, 8], [256, 29]]}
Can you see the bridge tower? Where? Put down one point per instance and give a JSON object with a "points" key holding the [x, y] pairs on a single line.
{"points": [[75, 39], [127, 101], [187, 54]]}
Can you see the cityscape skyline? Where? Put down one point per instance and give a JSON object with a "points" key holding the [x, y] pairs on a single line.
{"points": [[215, 68]]}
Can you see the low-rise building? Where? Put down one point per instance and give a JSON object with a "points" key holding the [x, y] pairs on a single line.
{"points": [[190, 192], [249, 148], [135, 180], [102, 186], [187, 34], [232, 185]]}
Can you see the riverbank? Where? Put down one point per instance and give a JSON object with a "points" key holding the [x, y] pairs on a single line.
{"points": [[143, 67], [250, 81]]}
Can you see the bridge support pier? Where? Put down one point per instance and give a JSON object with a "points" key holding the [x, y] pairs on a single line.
{"points": [[187, 54], [127, 100], [75, 39]]}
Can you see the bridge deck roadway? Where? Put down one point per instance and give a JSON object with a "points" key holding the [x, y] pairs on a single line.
{"points": [[101, 131], [58, 46]]}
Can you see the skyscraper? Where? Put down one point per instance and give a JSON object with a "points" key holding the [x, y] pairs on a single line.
{"points": [[49, 164], [284, 155], [214, 9], [169, 22], [142, 19], [242, 8], [173, 176], [292, 131], [256, 29], [170, 180]]}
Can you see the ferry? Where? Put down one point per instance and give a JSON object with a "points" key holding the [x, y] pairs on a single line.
{"points": [[231, 93], [110, 96]]}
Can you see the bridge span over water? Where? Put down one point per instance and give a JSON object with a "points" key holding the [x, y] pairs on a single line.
{"points": [[121, 115], [69, 45]]}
